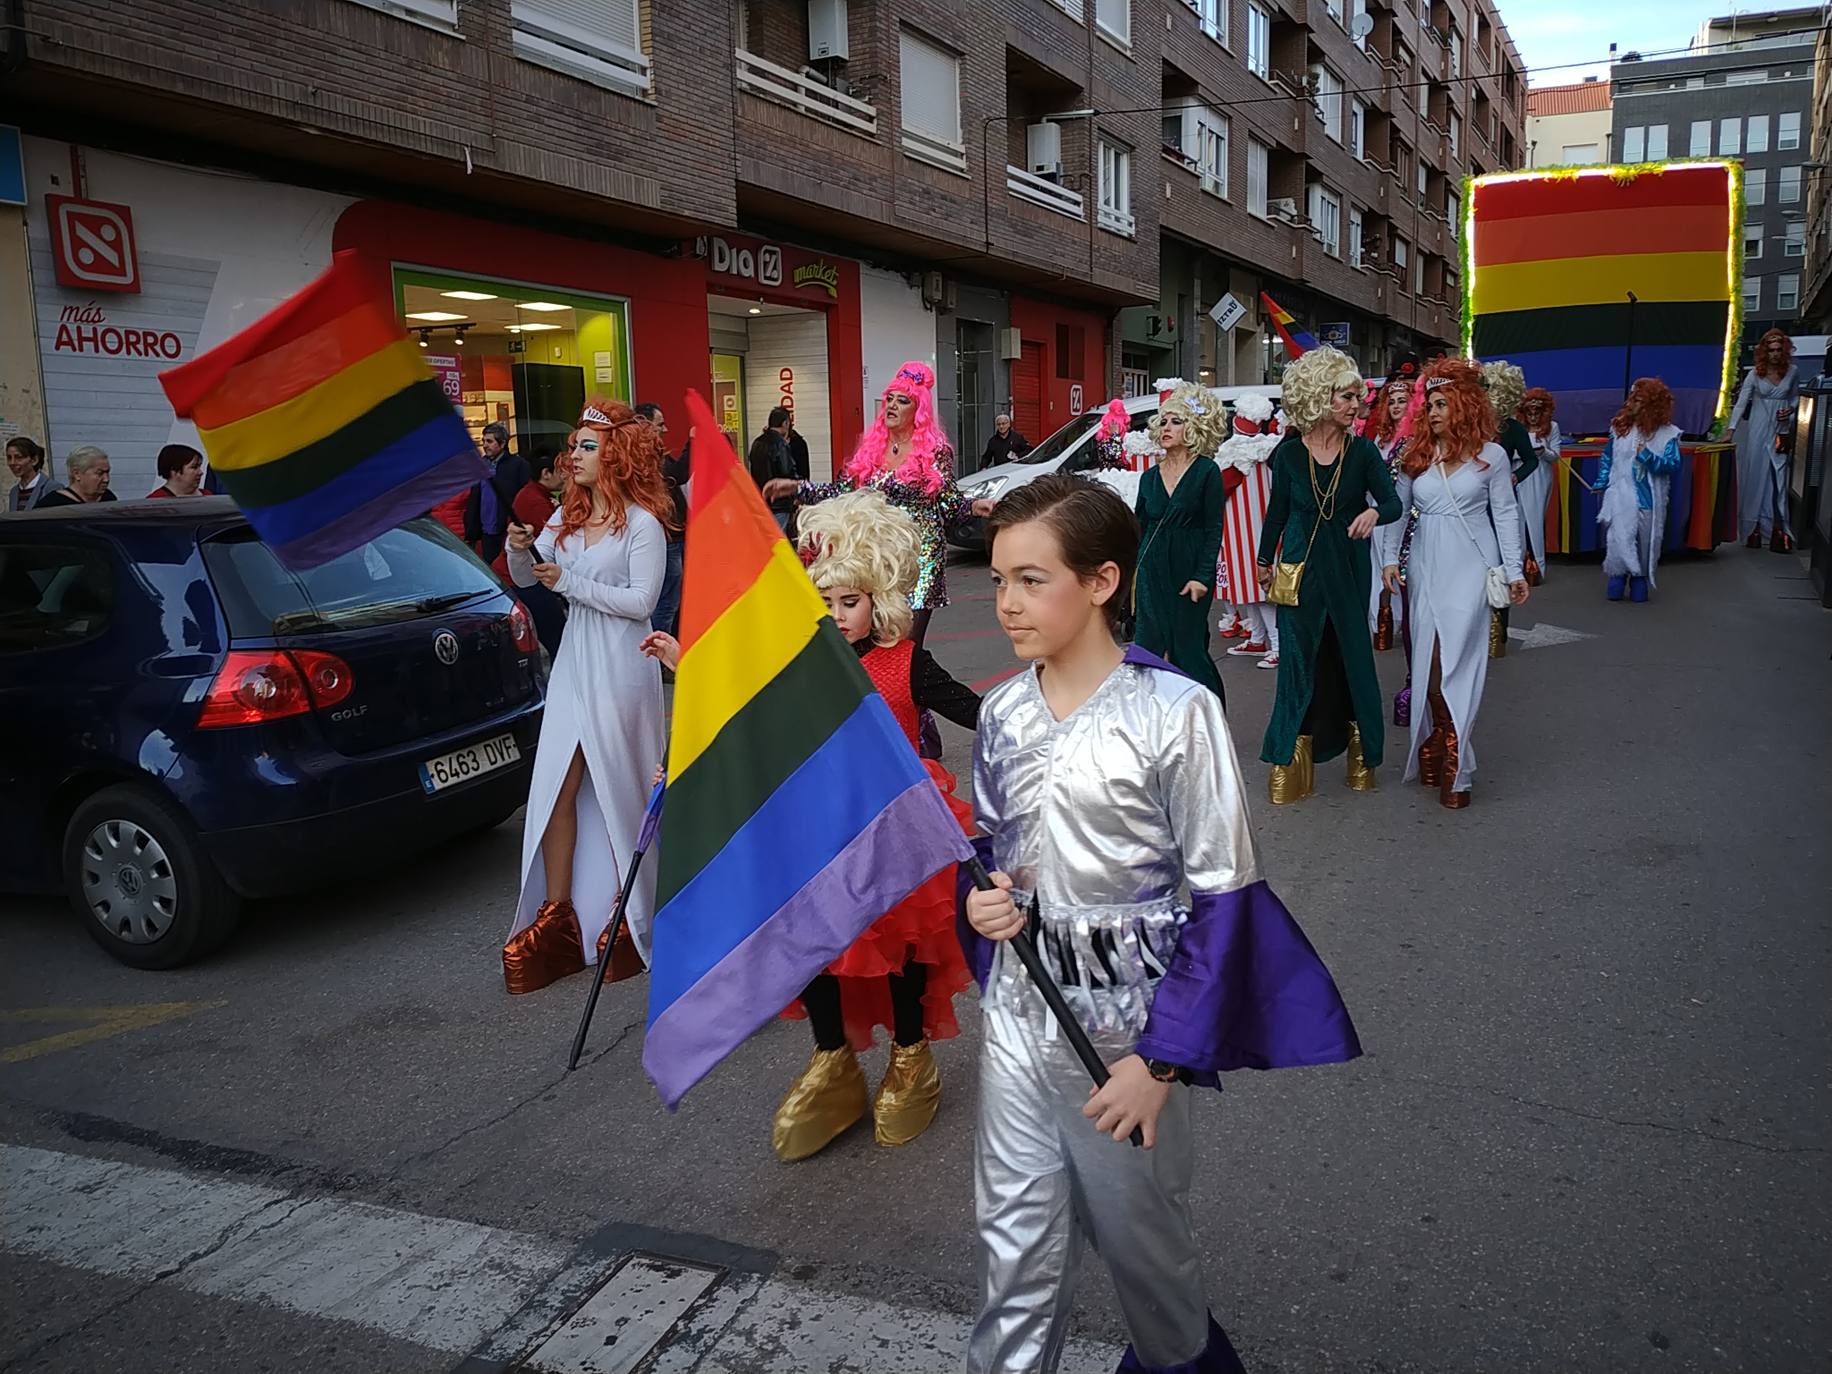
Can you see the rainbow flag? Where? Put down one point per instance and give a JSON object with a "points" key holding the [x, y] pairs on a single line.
{"points": [[1554, 257], [323, 422], [797, 811], [1298, 342]]}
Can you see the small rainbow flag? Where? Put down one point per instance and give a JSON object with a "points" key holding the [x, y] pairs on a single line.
{"points": [[1555, 256], [797, 811], [1298, 342], [322, 420]]}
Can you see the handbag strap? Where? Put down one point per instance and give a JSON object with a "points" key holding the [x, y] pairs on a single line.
{"points": [[1457, 506]]}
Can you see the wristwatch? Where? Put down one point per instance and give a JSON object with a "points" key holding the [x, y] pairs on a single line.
{"points": [[1164, 1071]]}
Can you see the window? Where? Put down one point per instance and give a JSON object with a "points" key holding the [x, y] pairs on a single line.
{"points": [[1356, 255], [1752, 243], [1456, 51], [1071, 351], [1259, 41], [1213, 16], [1796, 243], [52, 595], [1578, 154], [1657, 142], [1757, 142], [599, 40], [1755, 187], [1115, 16], [1361, 12], [1746, 78], [1259, 158], [1789, 190], [1701, 138], [1752, 295], [1336, 11], [1787, 132], [444, 13], [1402, 257], [1424, 179], [1453, 211], [1455, 129], [1325, 212], [932, 103], [1635, 143], [1418, 274], [1115, 188], [1358, 128], [1787, 291], [1199, 136], [1730, 137], [1329, 100]]}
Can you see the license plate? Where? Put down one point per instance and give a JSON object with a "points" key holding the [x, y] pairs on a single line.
{"points": [[474, 760]]}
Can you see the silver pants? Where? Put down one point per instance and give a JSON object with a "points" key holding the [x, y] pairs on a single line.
{"points": [[1044, 1179]]}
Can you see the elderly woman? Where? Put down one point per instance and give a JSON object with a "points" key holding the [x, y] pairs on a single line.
{"points": [[181, 471], [27, 462], [1329, 489], [1180, 518], [87, 480]]}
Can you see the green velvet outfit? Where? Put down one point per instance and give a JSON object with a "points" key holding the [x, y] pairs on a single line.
{"points": [[1179, 543]]}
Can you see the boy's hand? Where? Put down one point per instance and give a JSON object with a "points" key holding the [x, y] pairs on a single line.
{"points": [[993, 913], [1131, 1098]]}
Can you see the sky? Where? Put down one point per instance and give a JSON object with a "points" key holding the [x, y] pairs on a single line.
{"points": [[1552, 33]]}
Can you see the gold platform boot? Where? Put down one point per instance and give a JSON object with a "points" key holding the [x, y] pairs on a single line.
{"points": [[823, 1102], [1361, 777], [909, 1096], [1294, 781]]}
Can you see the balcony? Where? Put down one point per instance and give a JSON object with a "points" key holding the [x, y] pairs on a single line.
{"points": [[1041, 191], [938, 152], [781, 86], [1120, 222]]}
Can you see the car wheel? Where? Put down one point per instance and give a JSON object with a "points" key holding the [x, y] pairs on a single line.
{"points": [[141, 883]]}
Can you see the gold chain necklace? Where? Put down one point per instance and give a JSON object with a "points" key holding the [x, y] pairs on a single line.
{"points": [[1326, 499]]}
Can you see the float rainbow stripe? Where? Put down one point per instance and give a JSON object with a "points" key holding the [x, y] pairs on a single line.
{"points": [[1298, 342], [797, 811], [1554, 255], [322, 420]]}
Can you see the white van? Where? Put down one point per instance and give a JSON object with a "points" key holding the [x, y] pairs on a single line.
{"points": [[1071, 449]]}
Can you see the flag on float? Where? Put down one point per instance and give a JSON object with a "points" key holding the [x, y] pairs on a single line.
{"points": [[323, 421], [1298, 342], [797, 811]]}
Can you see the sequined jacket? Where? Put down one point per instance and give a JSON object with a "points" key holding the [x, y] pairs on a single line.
{"points": [[934, 513]]}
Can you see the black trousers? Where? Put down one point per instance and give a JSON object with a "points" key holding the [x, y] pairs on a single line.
{"points": [[821, 1000]]}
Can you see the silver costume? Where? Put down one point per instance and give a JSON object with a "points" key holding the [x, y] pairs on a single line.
{"points": [[1112, 817]]}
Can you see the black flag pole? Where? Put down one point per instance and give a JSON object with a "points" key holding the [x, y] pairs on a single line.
{"points": [[1026, 946], [644, 839], [1628, 351]]}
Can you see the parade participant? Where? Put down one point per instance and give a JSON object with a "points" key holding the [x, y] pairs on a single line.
{"points": [[1637, 468], [1770, 391], [1179, 509], [1110, 805], [1387, 428], [1456, 477], [1247, 477], [1329, 489], [1507, 386], [604, 550], [903, 972], [534, 506], [1537, 408]]}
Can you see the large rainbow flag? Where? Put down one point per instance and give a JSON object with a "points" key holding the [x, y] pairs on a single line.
{"points": [[797, 811], [323, 422], [1554, 257]]}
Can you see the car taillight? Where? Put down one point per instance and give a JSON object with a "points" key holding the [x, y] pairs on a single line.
{"points": [[256, 685], [521, 625]]}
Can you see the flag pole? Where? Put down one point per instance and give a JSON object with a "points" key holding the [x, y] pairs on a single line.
{"points": [[1026, 946], [644, 838]]}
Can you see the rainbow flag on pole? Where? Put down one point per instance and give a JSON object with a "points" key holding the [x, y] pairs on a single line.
{"points": [[1297, 341], [322, 420], [797, 811]]}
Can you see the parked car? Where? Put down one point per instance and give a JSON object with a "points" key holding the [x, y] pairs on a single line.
{"points": [[190, 724], [1070, 449]]}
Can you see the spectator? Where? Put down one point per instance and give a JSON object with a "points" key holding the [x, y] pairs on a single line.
{"points": [[87, 466], [1006, 443], [798, 450], [27, 460], [181, 471], [534, 506], [676, 473], [769, 459], [486, 512]]}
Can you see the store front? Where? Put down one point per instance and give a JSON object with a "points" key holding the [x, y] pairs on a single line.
{"points": [[1061, 369]]}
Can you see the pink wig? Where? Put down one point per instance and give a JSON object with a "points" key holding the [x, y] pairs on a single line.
{"points": [[930, 460]]}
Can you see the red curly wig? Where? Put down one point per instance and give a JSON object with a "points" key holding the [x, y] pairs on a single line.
{"points": [[1649, 406], [629, 469], [1787, 357], [1472, 416], [1537, 396]]}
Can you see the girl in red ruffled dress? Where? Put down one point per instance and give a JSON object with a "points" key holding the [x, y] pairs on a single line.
{"points": [[864, 555]]}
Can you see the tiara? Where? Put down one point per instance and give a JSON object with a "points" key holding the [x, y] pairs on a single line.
{"points": [[595, 416], [1434, 383]]}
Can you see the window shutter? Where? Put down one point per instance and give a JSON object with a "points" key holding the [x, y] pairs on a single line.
{"points": [[584, 24], [931, 89]]}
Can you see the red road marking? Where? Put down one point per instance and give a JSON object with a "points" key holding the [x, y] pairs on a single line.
{"points": [[986, 684], [961, 634]]}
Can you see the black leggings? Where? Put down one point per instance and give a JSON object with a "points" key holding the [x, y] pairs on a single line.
{"points": [[821, 1000], [1332, 708], [920, 627]]}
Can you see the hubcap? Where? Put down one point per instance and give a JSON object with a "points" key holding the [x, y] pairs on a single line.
{"points": [[128, 882]]}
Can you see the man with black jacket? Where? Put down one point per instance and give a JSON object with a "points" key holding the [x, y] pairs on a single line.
{"points": [[770, 458], [677, 473], [492, 501]]}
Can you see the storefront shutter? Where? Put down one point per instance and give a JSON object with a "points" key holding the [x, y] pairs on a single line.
{"points": [[1027, 393]]}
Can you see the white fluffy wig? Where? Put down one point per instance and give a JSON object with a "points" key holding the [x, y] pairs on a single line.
{"points": [[1507, 387], [1311, 379], [861, 540], [1205, 419]]}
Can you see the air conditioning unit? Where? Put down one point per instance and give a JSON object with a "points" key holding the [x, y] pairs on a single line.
{"points": [[1284, 208], [1043, 149], [827, 30], [1011, 345]]}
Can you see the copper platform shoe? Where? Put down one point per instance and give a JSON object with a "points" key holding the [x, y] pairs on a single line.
{"points": [[545, 951]]}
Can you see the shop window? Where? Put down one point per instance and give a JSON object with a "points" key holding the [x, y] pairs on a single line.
{"points": [[1071, 341], [598, 40], [523, 356]]}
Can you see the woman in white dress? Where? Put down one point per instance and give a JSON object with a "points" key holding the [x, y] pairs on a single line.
{"points": [[1771, 390], [1457, 479], [605, 551], [1535, 489]]}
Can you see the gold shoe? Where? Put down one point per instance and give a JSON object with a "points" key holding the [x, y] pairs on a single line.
{"points": [[1361, 777], [1292, 782], [823, 1102], [909, 1096], [1498, 635]]}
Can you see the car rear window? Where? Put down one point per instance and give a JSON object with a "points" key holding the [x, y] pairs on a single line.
{"points": [[419, 569]]}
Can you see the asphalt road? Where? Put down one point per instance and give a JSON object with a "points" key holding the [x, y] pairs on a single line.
{"points": [[1590, 1131]]}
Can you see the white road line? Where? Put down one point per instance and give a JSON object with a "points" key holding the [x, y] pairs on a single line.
{"points": [[625, 1319]]}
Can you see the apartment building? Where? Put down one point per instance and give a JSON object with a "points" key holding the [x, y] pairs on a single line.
{"points": [[1816, 295], [1568, 126], [772, 201]]}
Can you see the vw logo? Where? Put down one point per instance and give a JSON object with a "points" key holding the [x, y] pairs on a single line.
{"points": [[445, 647]]}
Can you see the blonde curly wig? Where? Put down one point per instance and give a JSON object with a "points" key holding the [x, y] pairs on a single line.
{"points": [[1205, 418], [861, 540], [1507, 385], [1311, 379]]}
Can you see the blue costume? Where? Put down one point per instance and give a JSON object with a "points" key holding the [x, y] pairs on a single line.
{"points": [[1633, 516]]}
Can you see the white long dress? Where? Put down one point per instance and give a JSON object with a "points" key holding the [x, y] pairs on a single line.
{"points": [[604, 699], [1377, 547], [1445, 586], [1761, 471], [1536, 491]]}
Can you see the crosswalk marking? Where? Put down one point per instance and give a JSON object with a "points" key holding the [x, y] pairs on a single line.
{"points": [[624, 1320]]}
